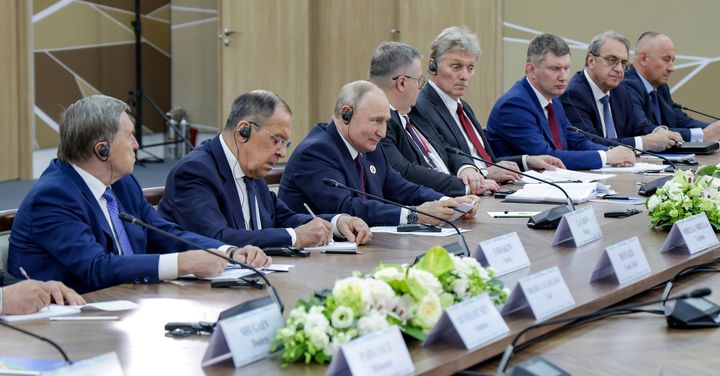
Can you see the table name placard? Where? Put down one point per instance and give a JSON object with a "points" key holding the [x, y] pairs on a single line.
{"points": [[382, 353], [580, 226], [692, 235], [625, 261], [545, 292], [105, 364], [505, 253]]}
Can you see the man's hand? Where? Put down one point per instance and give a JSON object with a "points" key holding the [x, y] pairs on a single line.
{"points": [[252, 255], [472, 179], [469, 199], [439, 208], [502, 176], [354, 229], [712, 132], [62, 294], [200, 263], [314, 233], [621, 157], [661, 139], [543, 162]]}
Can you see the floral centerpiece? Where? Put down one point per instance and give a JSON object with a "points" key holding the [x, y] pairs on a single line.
{"points": [[411, 297], [685, 195]]}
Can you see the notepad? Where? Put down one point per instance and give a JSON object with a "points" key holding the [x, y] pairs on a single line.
{"points": [[537, 193], [335, 247], [61, 310]]}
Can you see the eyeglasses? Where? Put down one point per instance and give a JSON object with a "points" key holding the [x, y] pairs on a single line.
{"points": [[279, 141], [612, 61], [422, 80]]}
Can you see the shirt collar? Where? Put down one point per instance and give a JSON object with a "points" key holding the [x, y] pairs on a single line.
{"points": [[94, 184], [597, 92], [234, 164], [543, 101], [451, 104], [646, 83], [403, 119], [353, 153]]}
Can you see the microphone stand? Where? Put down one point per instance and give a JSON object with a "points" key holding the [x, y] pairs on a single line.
{"points": [[695, 111], [273, 294], [335, 184]]}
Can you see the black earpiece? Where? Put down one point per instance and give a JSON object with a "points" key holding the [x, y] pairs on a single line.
{"points": [[245, 133], [432, 67], [103, 152], [347, 116]]}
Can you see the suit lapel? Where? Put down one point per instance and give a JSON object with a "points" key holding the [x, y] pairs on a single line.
{"points": [[446, 117], [345, 157], [540, 112], [404, 137], [590, 97], [229, 186], [480, 130]]}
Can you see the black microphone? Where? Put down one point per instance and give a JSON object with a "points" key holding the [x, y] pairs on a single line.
{"points": [[45, 339], [585, 318], [273, 294], [678, 105], [616, 143], [548, 219], [335, 184]]}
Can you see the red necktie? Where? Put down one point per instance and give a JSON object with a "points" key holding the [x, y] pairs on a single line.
{"points": [[554, 128], [470, 132]]}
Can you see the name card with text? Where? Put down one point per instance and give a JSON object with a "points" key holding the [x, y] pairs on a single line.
{"points": [[692, 234], [474, 322], [625, 260], [504, 253], [545, 292], [580, 226], [382, 353]]}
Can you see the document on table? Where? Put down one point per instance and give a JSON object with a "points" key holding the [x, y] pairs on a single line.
{"points": [[537, 193], [445, 231], [233, 271], [672, 157], [565, 176], [61, 310], [638, 168], [335, 247]]}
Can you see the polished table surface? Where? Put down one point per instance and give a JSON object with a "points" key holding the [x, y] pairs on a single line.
{"points": [[138, 338]]}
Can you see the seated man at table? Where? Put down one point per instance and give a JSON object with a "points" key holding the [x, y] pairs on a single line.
{"points": [[529, 118], [218, 189], [347, 150], [596, 103], [68, 227], [23, 297]]}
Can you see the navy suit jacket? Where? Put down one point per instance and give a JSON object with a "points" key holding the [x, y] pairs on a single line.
{"points": [[6, 279], [201, 196], [581, 109], [672, 116], [405, 157], [517, 125], [323, 154], [61, 234], [430, 108]]}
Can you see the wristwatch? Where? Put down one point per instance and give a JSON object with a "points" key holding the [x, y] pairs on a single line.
{"points": [[412, 217]]}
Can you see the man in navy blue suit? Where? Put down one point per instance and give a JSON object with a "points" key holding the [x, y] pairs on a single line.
{"points": [[529, 118], [348, 151], [68, 226], [646, 82], [595, 103], [218, 189], [28, 296]]}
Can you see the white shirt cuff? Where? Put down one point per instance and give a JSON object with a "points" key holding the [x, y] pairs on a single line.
{"points": [[696, 135], [1, 299], [293, 236], [638, 143], [403, 216], [524, 162], [334, 221], [168, 266], [603, 157]]}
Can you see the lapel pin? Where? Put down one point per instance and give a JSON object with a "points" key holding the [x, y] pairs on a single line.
{"points": [[373, 169]]}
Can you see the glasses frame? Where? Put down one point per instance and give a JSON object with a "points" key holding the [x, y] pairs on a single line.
{"points": [[422, 80], [625, 64], [279, 141]]}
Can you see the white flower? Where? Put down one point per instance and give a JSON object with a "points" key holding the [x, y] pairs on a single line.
{"points": [[339, 339], [297, 314], [426, 280], [342, 317], [429, 310], [351, 287], [405, 307], [287, 332], [460, 287], [373, 322], [318, 338], [389, 274], [461, 267], [380, 294], [315, 320], [653, 202]]}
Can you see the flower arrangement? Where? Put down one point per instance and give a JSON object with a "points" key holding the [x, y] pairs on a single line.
{"points": [[411, 297], [685, 195]]}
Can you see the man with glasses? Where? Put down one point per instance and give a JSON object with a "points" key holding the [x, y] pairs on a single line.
{"points": [[453, 57], [646, 82], [218, 189], [529, 117], [416, 151], [595, 103]]}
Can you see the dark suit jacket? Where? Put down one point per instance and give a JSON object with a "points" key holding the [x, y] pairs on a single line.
{"points": [[201, 196], [6, 279], [673, 117], [581, 109], [430, 108], [404, 156], [323, 154], [517, 125], [61, 234]]}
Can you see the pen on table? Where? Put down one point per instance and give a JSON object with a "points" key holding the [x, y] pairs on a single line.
{"points": [[85, 318], [616, 198], [24, 273]]}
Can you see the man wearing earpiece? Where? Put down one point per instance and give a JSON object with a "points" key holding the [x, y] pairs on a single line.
{"points": [[68, 226], [348, 151], [218, 189]]}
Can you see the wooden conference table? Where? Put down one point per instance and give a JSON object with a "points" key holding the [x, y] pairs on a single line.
{"points": [[138, 338]]}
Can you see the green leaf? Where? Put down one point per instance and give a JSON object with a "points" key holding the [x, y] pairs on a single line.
{"points": [[436, 261], [414, 332]]}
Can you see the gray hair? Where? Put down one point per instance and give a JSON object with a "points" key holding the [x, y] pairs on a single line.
{"points": [[256, 106], [86, 122], [455, 38], [599, 40], [352, 95], [544, 43], [388, 59]]}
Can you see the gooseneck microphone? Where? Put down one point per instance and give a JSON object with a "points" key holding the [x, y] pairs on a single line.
{"points": [[273, 294], [45, 339], [616, 143], [583, 319], [335, 184], [548, 219], [678, 105]]}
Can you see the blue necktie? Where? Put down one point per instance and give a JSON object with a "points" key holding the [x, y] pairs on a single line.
{"points": [[251, 189], [122, 238], [656, 106], [607, 116]]}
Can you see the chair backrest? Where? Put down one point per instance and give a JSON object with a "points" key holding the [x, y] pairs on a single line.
{"points": [[275, 175], [6, 220]]}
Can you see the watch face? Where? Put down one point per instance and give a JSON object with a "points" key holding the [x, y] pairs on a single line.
{"points": [[412, 218]]}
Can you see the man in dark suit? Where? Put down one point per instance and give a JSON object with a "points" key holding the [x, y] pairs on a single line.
{"points": [[454, 54], [68, 226], [416, 151], [596, 104], [529, 117], [28, 296], [218, 189], [646, 82], [348, 151]]}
